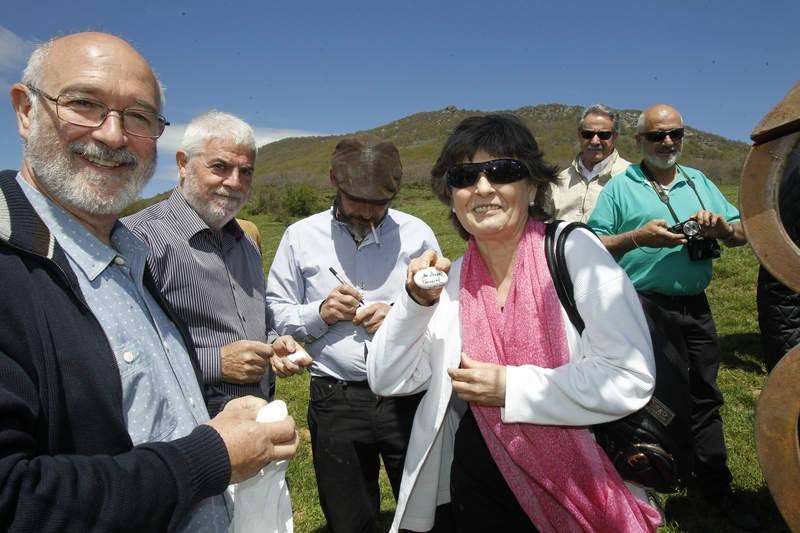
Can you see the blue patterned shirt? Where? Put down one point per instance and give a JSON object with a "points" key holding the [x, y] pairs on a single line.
{"points": [[162, 400]]}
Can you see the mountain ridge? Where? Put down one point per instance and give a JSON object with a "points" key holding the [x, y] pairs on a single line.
{"points": [[420, 136]]}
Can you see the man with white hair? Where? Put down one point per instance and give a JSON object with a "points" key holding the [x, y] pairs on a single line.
{"points": [[661, 221], [103, 420], [575, 191], [206, 267]]}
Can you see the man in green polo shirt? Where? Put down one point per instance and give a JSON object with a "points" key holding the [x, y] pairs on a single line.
{"points": [[671, 269]]}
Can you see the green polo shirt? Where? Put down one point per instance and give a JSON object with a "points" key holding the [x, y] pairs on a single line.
{"points": [[628, 201]]}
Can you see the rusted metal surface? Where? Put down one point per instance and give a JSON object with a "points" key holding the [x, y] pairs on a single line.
{"points": [[758, 203], [778, 410], [782, 120], [776, 436]]}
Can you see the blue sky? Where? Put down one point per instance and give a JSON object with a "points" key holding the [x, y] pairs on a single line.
{"points": [[298, 67]]}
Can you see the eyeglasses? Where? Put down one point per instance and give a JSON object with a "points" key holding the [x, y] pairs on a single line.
{"points": [[496, 171], [83, 111], [658, 136], [602, 135]]}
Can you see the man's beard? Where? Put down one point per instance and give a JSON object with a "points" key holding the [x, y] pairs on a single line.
{"points": [[359, 227], [659, 162], [85, 189], [216, 207]]}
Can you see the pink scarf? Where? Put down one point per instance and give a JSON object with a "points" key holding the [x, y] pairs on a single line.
{"points": [[559, 475]]}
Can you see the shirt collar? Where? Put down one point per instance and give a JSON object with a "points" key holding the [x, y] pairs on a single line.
{"points": [[189, 222], [634, 172], [90, 255], [599, 167], [369, 238]]}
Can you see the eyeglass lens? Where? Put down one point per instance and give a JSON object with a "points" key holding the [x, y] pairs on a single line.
{"points": [[496, 171], [658, 136], [602, 135], [85, 112]]}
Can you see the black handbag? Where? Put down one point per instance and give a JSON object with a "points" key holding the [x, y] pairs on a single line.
{"points": [[651, 447]]}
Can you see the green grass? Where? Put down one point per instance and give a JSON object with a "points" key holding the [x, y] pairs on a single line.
{"points": [[732, 297]]}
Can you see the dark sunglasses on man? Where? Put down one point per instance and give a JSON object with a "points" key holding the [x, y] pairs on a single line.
{"points": [[497, 171], [659, 136], [602, 135]]}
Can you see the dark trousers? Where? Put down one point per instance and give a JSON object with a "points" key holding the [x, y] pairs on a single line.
{"points": [[351, 430], [699, 348], [481, 500]]}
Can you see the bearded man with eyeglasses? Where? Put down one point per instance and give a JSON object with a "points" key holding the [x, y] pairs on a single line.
{"points": [[640, 217], [573, 195], [103, 420]]}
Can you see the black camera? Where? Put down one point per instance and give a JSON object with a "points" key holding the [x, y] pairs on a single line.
{"points": [[700, 248]]}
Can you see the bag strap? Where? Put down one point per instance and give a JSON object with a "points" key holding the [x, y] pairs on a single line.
{"points": [[557, 264]]}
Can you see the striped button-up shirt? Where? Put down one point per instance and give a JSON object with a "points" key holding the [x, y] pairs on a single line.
{"points": [[161, 399], [214, 281]]}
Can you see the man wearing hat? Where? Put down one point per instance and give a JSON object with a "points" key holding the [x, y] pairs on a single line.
{"points": [[332, 281]]}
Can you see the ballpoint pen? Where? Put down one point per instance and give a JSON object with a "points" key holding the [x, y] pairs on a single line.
{"points": [[343, 282]]}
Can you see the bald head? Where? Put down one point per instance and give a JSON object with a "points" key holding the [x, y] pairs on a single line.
{"points": [[88, 110], [51, 62], [659, 134], [657, 113]]}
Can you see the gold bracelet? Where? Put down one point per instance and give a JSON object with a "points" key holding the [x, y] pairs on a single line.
{"points": [[634, 241]]}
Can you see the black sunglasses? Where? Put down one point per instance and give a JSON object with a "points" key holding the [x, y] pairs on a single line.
{"points": [[496, 171], [602, 135], [658, 136]]}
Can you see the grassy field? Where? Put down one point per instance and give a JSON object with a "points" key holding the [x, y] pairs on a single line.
{"points": [[732, 296]]}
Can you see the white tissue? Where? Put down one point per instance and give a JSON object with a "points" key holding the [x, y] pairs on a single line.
{"points": [[262, 503]]}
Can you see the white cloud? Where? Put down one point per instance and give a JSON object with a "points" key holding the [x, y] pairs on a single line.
{"points": [[170, 141], [14, 50], [166, 175]]}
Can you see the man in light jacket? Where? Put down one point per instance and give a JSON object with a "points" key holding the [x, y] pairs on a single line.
{"points": [[575, 192]]}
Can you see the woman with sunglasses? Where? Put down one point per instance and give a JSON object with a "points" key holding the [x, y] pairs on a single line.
{"points": [[500, 439]]}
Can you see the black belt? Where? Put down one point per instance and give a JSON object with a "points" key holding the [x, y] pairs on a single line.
{"points": [[344, 383]]}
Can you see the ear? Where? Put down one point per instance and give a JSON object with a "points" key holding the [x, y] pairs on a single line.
{"points": [[332, 177], [21, 102], [182, 159], [532, 190]]}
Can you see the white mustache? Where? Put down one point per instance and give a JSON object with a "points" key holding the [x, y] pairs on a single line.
{"points": [[99, 151], [233, 195]]}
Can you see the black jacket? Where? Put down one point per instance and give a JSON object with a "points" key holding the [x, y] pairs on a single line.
{"points": [[66, 460], [778, 305]]}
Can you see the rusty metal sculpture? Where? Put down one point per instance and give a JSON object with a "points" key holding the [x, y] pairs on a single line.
{"points": [[776, 140]]}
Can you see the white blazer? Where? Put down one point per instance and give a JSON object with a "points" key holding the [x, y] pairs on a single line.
{"points": [[611, 372]]}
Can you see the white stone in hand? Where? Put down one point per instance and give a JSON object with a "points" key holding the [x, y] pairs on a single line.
{"points": [[430, 278], [299, 355], [274, 411]]}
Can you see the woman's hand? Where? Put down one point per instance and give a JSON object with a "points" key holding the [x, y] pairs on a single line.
{"points": [[482, 383], [428, 259]]}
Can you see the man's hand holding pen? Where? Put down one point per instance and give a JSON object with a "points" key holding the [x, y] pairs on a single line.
{"points": [[341, 303], [345, 302]]}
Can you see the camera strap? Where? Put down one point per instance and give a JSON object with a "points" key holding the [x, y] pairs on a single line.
{"points": [[662, 194], [690, 183]]}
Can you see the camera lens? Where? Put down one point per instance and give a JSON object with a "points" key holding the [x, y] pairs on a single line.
{"points": [[691, 228]]}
